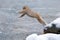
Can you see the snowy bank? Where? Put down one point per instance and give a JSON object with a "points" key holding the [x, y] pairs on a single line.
{"points": [[48, 36]]}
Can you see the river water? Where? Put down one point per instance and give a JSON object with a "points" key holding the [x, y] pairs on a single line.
{"points": [[14, 28]]}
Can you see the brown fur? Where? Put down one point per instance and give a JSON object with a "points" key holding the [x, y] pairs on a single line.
{"points": [[27, 11]]}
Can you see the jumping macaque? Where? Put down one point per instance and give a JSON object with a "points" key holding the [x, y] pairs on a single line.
{"points": [[27, 11]]}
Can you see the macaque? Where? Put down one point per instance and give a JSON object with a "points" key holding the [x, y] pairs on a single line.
{"points": [[27, 11]]}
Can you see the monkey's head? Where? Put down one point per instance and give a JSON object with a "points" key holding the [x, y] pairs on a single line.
{"points": [[25, 7], [24, 11]]}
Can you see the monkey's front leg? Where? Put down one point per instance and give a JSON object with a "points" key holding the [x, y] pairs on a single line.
{"points": [[22, 15], [22, 12]]}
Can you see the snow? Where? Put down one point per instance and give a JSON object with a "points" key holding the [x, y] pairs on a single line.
{"points": [[48, 36]]}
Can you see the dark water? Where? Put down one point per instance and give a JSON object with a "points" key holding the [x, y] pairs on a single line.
{"points": [[14, 28]]}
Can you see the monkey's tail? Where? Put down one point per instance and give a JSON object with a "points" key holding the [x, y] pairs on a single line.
{"points": [[41, 20]]}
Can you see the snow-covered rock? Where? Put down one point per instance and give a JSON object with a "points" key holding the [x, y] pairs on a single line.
{"points": [[53, 27]]}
